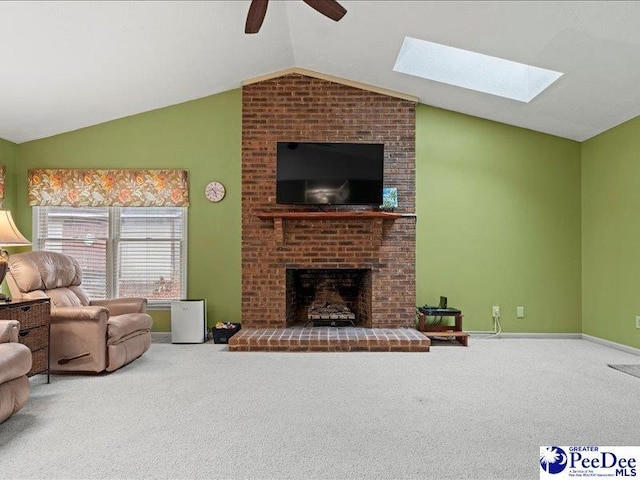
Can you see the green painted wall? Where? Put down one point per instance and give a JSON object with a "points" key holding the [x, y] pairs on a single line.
{"points": [[203, 136], [498, 222], [610, 233], [8, 156], [498, 207]]}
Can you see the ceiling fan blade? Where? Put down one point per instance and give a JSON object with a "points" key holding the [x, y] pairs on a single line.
{"points": [[329, 8], [255, 17]]}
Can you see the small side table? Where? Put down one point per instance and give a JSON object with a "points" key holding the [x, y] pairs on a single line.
{"points": [[454, 330], [34, 317]]}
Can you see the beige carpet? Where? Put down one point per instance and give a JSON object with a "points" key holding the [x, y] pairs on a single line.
{"points": [[202, 412]]}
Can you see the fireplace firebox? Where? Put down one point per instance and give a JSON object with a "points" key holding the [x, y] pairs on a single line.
{"points": [[328, 297]]}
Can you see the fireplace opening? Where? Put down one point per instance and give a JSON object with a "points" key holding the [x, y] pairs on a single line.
{"points": [[328, 297]]}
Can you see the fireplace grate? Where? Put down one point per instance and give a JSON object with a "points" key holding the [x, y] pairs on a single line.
{"points": [[325, 322]]}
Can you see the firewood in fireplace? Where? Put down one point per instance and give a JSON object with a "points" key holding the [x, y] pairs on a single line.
{"points": [[330, 311]]}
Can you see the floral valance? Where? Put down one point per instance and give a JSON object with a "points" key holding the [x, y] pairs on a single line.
{"points": [[100, 188]]}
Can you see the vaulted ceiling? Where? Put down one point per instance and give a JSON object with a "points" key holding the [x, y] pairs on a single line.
{"points": [[68, 65]]}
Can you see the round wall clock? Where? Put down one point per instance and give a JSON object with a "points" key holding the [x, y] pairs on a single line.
{"points": [[214, 191]]}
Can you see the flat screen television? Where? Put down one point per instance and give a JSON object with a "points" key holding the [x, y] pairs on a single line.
{"points": [[329, 173]]}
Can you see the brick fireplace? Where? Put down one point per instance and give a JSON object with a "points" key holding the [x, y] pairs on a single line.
{"points": [[302, 108]]}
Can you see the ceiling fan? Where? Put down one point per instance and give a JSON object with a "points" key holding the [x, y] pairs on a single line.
{"points": [[258, 9]]}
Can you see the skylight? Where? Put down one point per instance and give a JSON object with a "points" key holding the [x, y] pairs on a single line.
{"points": [[471, 70]]}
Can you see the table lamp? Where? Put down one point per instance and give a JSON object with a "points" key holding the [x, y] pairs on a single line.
{"points": [[10, 236]]}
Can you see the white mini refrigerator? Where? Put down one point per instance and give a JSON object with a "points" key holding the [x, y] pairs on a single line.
{"points": [[188, 321]]}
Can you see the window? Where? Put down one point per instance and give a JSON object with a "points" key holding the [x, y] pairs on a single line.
{"points": [[123, 251]]}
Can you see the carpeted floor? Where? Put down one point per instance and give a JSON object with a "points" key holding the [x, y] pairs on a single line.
{"points": [[633, 369], [199, 411]]}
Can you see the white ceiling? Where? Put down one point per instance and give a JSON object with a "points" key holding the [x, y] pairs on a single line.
{"points": [[68, 65]]}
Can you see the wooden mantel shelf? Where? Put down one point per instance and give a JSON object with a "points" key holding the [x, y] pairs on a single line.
{"points": [[376, 217], [332, 215]]}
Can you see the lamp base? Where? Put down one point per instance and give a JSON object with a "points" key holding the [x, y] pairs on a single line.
{"points": [[4, 266]]}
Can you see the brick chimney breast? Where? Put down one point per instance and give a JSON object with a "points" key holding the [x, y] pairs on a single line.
{"points": [[299, 108]]}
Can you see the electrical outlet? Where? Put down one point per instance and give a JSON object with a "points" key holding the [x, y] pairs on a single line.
{"points": [[495, 311], [638, 322], [520, 312]]}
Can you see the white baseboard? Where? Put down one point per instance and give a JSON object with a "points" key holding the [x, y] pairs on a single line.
{"points": [[527, 335], [583, 336], [610, 344]]}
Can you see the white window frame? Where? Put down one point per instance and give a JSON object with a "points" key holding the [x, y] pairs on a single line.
{"points": [[111, 279]]}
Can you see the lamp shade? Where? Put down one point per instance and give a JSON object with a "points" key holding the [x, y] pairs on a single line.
{"points": [[10, 236]]}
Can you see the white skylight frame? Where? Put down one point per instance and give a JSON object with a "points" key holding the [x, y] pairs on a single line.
{"points": [[471, 70]]}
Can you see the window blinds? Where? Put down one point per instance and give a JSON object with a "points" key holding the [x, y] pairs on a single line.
{"points": [[123, 251]]}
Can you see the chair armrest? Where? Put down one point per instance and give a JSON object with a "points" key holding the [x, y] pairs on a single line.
{"points": [[9, 331], [87, 313], [120, 306], [78, 338]]}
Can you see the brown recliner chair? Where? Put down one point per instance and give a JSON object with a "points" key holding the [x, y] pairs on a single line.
{"points": [[15, 363], [86, 336]]}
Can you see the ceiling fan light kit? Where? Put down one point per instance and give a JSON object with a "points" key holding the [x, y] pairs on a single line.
{"points": [[258, 9]]}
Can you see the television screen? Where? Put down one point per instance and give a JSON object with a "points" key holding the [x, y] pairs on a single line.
{"points": [[330, 173]]}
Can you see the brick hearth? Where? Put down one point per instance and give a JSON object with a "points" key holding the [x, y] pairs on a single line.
{"points": [[329, 339]]}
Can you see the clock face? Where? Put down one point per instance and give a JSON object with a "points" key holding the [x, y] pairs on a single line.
{"points": [[214, 191]]}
